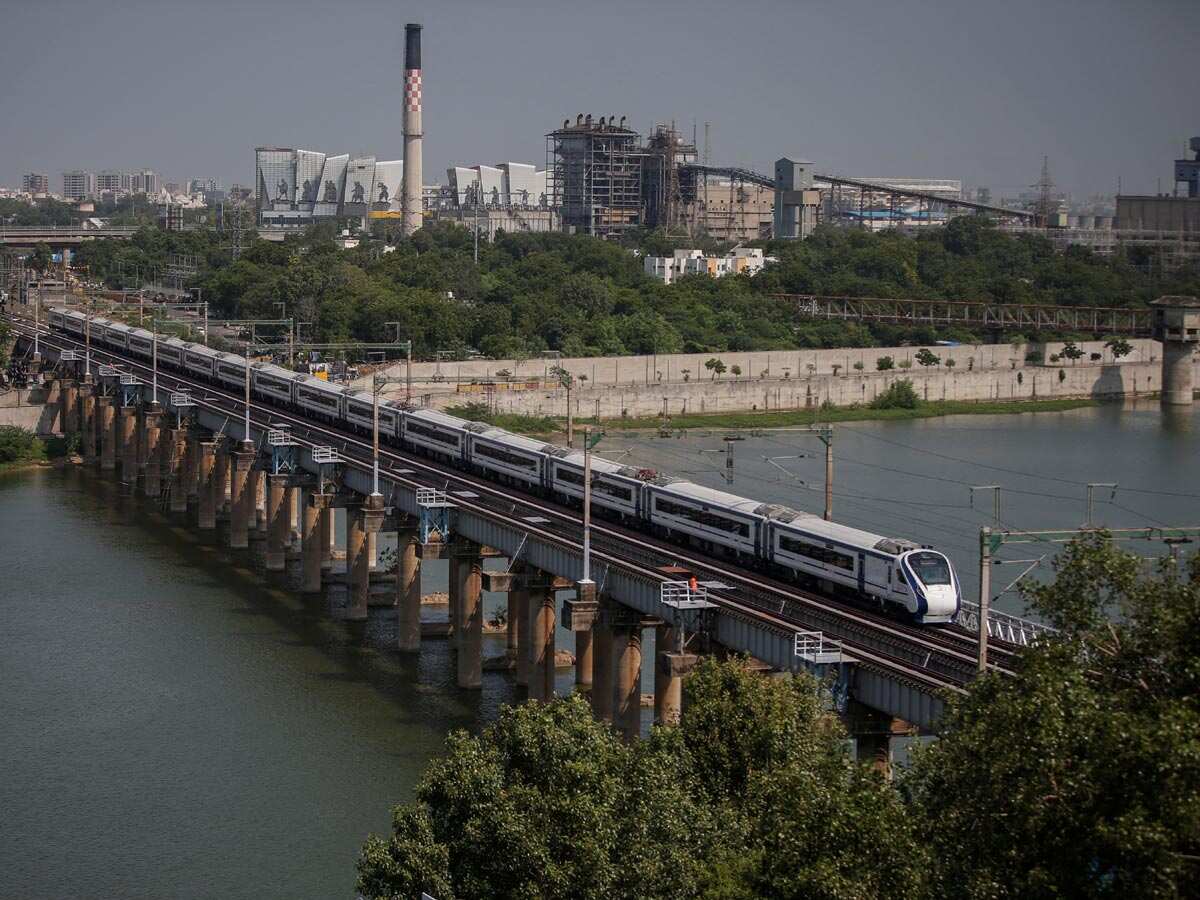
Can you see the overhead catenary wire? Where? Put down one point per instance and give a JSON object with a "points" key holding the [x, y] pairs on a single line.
{"points": [[1009, 471]]}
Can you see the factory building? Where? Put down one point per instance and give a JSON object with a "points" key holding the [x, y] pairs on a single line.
{"points": [[1166, 224], [299, 187]]}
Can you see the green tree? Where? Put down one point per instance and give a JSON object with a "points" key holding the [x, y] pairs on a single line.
{"points": [[716, 366], [884, 363], [20, 445], [41, 258], [927, 358], [752, 795], [1079, 775], [1071, 351], [1118, 347], [899, 395]]}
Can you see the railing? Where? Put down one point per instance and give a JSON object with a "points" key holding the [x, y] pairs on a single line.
{"points": [[25, 230], [1002, 626], [325, 456], [432, 497], [1095, 319]]}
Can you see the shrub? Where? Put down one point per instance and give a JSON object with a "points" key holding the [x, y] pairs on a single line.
{"points": [[18, 444], [899, 395], [884, 363], [927, 358], [1035, 356], [951, 363], [858, 366], [905, 363]]}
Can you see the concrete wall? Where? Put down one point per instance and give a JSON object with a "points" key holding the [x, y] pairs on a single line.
{"points": [[668, 368], [27, 409], [631, 386], [1024, 383]]}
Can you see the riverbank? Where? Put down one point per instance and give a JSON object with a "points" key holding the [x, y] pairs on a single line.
{"points": [[550, 428], [801, 417]]}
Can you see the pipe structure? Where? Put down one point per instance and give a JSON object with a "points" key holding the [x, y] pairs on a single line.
{"points": [[411, 195]]}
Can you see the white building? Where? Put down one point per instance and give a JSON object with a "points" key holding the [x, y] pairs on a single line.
{"points": [[739, 261]]}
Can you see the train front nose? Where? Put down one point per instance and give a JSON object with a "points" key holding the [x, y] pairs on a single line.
{"points": [[942, 601]]}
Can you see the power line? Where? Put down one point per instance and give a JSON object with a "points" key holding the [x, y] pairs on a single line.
{"points": [[969, 462]]}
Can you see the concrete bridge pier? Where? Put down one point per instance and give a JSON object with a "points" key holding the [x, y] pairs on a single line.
{"points": [[191, 474], [241, 499], [466, 582], [518, 609], [278, 525], [603, 683], [128, 441], [579, 616], [54, 403], [261, 521], [627, 666], [542, 623], [107, 426], [328, 533], [87, 407], [408, 590], [294, 517], [361, 521], [177, 469], [151, 456], [69, 396], [207, 486], [670, 666], [310, 541], [221, 473]]}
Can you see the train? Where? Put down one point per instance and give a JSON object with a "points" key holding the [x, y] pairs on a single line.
{"points": [[913, 580]]}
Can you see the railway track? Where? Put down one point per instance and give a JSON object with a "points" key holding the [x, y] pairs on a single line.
{"points": [[937, 658]]}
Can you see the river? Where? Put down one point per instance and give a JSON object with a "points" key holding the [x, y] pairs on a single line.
{"points": [[173, 726]]}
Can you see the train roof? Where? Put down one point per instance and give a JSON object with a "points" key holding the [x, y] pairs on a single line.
{"points": [[319, 384], [599, 463], [513, 440], [142, 333], [441, 418], [848, 535], [710, 495]]}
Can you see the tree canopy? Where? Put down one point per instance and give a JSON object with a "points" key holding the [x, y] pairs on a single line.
{"points": [[547, 802], [1077, 775], [581, 296]]}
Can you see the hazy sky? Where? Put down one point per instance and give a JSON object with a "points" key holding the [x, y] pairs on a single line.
{"points": [[967, 89]]}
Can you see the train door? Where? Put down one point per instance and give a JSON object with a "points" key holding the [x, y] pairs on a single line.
{"points": [[862, 573]]}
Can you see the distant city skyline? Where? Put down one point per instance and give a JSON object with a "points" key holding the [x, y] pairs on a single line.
{"points": [[971, 91]]}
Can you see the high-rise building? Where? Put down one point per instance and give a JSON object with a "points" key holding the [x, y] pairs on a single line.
{"points": [[144, 182], [78, 185], [35, 183], [111, 182]]}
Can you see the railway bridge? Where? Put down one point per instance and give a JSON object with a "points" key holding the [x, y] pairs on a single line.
{"points": [[267, 480]]}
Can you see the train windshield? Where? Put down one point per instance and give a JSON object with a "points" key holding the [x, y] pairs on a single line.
{"points": [[931, 568]]}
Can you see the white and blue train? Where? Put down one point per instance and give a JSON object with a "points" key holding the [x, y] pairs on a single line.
{"points": [[892, 572]]}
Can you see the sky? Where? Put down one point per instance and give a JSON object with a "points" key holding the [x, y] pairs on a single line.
{"points": [[977, 91]]}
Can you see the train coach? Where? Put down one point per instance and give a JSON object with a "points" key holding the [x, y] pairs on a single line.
{"points": [[793, 545]]}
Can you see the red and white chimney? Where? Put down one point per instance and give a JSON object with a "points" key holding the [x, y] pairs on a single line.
{"points": [[411, 202]]}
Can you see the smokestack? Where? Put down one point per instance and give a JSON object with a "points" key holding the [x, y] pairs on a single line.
{"points": [[411, 196]]}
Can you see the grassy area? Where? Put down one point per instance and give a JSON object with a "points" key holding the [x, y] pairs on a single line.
{"points": [[545, 426], [514, 422], [787, 418]]}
